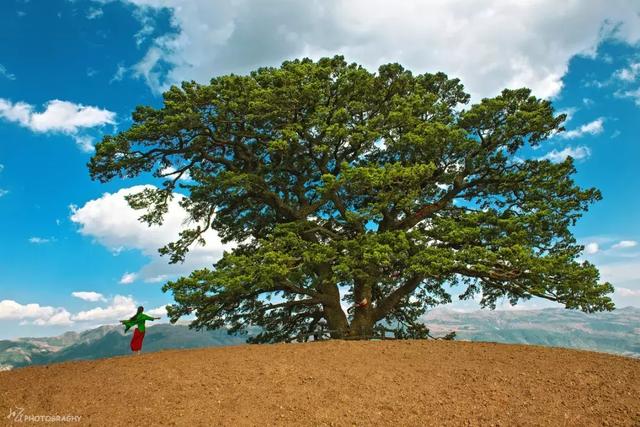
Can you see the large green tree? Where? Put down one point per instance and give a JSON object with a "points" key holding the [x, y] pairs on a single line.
{"points": [[386, 186]]}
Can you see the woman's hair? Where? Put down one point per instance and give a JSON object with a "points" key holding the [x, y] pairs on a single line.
{"points": [[140, 310]]}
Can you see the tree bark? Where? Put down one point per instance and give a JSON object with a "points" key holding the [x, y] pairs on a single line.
{"points": [[363, 316], [332, 310], [362, 323], [336, 320]]}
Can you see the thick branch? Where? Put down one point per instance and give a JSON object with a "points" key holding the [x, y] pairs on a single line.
{"points": [[395, 297]]}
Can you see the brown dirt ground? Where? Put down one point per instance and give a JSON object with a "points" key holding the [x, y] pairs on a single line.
{"points": [[413, 383]]}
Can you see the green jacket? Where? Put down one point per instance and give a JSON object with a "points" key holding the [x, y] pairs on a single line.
{"points": [[137, 321]]}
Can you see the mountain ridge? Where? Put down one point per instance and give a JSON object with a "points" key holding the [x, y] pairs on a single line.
{"points": [[615, 332]]}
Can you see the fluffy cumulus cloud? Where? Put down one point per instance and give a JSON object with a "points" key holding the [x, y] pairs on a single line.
{"points": [[111, 222], [591, 248], [117, 307], [592, 128], [34, 313], [489, 45], [89, 296], [577, 153], [58, 117], [120, 307], [158, 311]]}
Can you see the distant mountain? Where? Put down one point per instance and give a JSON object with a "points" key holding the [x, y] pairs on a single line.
{"points": [[106, 341], [612, 332]]}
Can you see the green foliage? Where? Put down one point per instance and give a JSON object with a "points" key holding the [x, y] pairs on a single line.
{"points": [[385, 184]]}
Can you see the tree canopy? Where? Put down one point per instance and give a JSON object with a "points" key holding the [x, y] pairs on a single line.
{"points": [[343, 187]]}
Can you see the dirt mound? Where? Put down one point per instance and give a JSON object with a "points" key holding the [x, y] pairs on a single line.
{"points": [[335, 383]]}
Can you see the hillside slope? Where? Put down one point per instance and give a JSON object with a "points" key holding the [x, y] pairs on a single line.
{"points": [[336, 383]]}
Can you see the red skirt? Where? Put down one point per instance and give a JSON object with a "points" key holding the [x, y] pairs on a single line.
{"points": [[136, 341]]}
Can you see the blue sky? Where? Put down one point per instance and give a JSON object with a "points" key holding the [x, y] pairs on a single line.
{"points": [[72, 255]]}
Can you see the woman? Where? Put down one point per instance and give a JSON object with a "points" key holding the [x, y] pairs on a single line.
{"points": [[138, 320]]}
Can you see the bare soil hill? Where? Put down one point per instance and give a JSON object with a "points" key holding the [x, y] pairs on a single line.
{"points": [[336, 383]]}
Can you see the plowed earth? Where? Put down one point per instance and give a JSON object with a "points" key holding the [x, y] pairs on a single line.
{"points": [[413, 383]]}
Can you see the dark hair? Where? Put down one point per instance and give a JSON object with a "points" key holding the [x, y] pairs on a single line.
{"points": [[140, 310]]}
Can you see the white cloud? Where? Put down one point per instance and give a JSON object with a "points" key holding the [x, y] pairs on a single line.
{"points": [[157, 279], [493, 44], [84, 143], [64, 116], [577, 153], [121, 307], [89, 296], [633, 94], [569, 112], [624, 244], [39, 315], [5, 73], [148, 27], [626, 292], [94, 13], [591, 248], [119, 74], [40, 240], [620, 272], [592, 128], [147, 69], [60, 117], [59, 318], [158, 311], [128, 278], [628, 74], [115, 225], [3, 192], [19, 112], [170, 170]]}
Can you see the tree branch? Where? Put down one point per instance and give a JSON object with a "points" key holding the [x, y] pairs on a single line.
{"points": [[381, 309]]}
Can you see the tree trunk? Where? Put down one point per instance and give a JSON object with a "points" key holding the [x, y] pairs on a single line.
{"points": [[333, 313], [363, 316], [336, 321], [362, 323]]}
